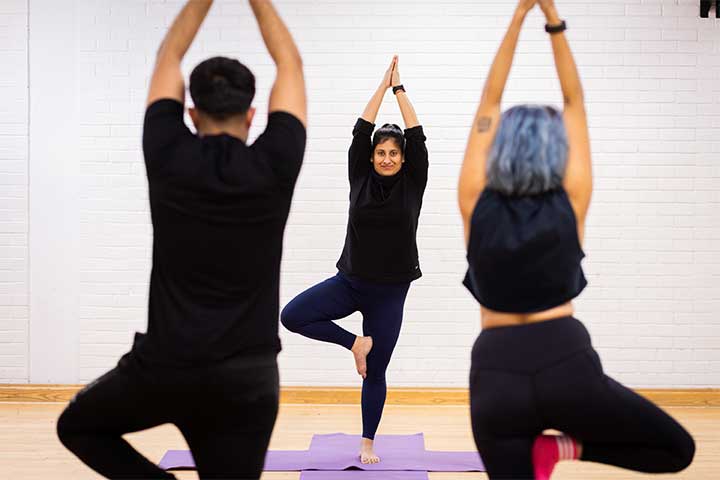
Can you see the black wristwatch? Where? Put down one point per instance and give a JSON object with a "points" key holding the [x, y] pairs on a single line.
{"points": [[551, 29], [398, 88]]}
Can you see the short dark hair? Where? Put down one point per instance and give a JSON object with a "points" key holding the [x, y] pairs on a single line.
{"points": [[389, 131], [222, 87]]}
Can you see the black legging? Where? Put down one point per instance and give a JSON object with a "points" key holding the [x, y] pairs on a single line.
{"points": [[546, 375], [226, 414]]}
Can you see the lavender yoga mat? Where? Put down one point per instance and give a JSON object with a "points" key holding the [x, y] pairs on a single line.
{"points": [[275, 460], [452, 462], [360, 475], [337, 452]]}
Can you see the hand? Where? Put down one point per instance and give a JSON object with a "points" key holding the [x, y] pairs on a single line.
{"points": [[387, 79], [526, 5], [396, 72]]}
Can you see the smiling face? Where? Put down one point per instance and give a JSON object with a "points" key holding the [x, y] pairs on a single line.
{"points": [[387, 157]]}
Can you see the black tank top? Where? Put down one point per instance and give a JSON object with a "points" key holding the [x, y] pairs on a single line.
{"points": [[524, 254]]}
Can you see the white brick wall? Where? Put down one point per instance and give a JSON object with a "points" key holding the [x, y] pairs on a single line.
{"points": [[651, 71], [13, 191]]}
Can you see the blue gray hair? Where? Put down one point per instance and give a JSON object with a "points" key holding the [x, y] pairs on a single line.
{"points": [[529, 154]]}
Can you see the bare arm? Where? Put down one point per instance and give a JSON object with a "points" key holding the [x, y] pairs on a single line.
{"points": [[288, 91], [167, 80], [406, 108], [373, 106], [472, 175], [578, 173]]}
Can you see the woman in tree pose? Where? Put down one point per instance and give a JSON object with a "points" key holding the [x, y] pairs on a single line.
{"points": [[524, 193], [387, 171]]}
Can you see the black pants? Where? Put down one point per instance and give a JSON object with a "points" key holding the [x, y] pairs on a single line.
{"points": [[226, 414], [313, 312], [546, 375]]}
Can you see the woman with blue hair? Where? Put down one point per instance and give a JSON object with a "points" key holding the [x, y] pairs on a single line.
{"points": [[524, 194]]}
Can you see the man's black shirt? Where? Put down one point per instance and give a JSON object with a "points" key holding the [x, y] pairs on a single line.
{"points": [[219, 209]]}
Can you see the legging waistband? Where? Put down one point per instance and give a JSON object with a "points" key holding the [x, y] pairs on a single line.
{"points": [[529, 347]]}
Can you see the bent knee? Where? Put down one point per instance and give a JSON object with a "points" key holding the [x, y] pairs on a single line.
{"points": [[64, 427], [290, 319], [683, 453]]}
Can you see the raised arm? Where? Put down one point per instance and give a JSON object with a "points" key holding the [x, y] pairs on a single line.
{"points": [[288, 91], [360, 152], [373, 106], [406, 108], [416, 154], [578, 173], [482, 134], [167, 80]]}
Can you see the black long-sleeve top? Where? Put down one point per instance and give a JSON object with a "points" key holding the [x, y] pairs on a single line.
{"points": [[380, 244]]}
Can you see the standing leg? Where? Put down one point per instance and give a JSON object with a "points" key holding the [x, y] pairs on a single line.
{"points": [[93, 423], [229, 427], [311, 313], [507, 458], [382, 319], [504, 421], [615, 425]]}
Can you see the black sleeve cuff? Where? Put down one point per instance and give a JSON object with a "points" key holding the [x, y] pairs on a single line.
{"points": [[281, 117], [363, 126], [165, 105], [415, 133]]}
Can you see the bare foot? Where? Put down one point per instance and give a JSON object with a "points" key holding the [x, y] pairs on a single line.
{"points": [[360, 350], [367, 454]]}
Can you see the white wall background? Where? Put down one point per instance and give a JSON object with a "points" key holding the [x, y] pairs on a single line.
{"points": [[14, 307], [651, 71]]}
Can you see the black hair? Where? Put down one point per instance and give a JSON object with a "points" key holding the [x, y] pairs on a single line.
{"points": [[389, 131], [221, 87]]}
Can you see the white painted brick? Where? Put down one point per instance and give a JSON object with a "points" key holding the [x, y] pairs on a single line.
{"points": [[652, 82], [13, 204]]}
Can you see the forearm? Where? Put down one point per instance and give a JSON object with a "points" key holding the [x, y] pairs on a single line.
{"points": [[183, 30], [500, 70], [407, 110], [276, 36], [373, 107], [564, 61]]}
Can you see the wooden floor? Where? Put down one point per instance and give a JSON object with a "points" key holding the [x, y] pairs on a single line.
{"points": [[30, 450]]}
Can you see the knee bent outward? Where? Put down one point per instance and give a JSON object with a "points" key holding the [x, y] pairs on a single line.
{"points": [[681, 454], [290, 318], [64, 429]]}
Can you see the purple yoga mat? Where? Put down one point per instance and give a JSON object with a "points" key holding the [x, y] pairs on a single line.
{"points": [[453, 462], [339, 451], [275, 461], [360, 475], [177, 460]]}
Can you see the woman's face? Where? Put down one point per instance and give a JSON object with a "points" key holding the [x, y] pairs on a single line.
{"points": [[387, 158]]}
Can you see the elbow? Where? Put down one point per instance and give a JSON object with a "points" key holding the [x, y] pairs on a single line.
{"points": [[491, 96], [166, 52], [291, 60], [296, 58], [575, 98]]}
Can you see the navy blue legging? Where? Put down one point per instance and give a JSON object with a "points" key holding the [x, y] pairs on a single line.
{"points": [[311, 314]]}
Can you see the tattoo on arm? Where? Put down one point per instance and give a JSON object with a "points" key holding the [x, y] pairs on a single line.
{"points": [[484, 124]]}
